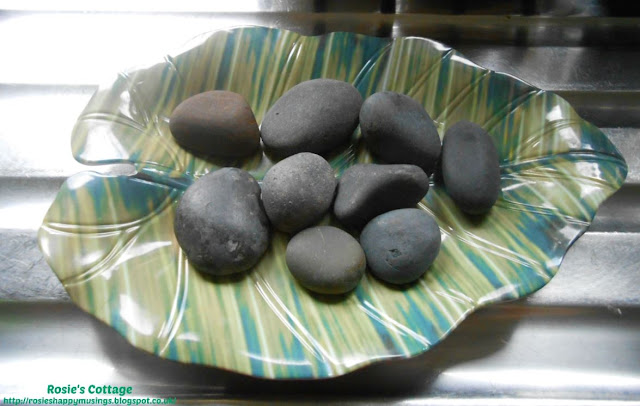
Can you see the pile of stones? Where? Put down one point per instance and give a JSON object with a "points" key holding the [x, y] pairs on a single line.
{"points": [[223, 221]]}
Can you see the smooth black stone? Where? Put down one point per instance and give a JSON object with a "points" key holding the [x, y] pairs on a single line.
{"points": [[298, 191], [216, 123], [220, 223], [470, 167], [398, 130], [313, 116], [326, 260], [367, 190], [400, 245]]}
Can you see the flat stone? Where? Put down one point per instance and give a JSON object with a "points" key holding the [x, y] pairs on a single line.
{"points": [[220, 223], [313, 116], [398, 130], [400, 245], [470, 167], [326, 260], [367, 190], [298, 191], [216, 123]]}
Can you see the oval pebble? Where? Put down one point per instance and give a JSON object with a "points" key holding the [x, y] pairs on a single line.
{"points": [[398, 130], [470, 167], [220, 223], [401, 245], [216, 123], [367, 190], [298, 191], [326, 260], [313, 116]]}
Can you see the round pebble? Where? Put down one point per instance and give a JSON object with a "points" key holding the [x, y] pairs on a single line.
{"points": [[397, 129], [470, 167], [313, 116], [216, 123], [401, 245], [367, 190], [326, 260], [298, 191], [220, 223]]}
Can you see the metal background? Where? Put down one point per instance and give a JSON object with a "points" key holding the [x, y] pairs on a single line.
{"points": [[575, 342]]}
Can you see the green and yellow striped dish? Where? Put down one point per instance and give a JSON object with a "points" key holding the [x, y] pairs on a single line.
{"points": [[110, 238]]}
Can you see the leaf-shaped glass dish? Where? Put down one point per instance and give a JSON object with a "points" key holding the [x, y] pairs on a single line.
{"points": [[110, 238]]}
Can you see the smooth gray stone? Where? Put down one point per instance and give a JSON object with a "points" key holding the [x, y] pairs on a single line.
{"points": [[220, 223], [398, 130], [400, 245], [216, 123], [326, 260], [298, 191], [470, 167], [313, 116], [367, 190]]}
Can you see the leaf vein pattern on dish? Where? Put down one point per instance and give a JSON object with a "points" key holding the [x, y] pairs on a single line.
{"points": [[110, 238]]}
